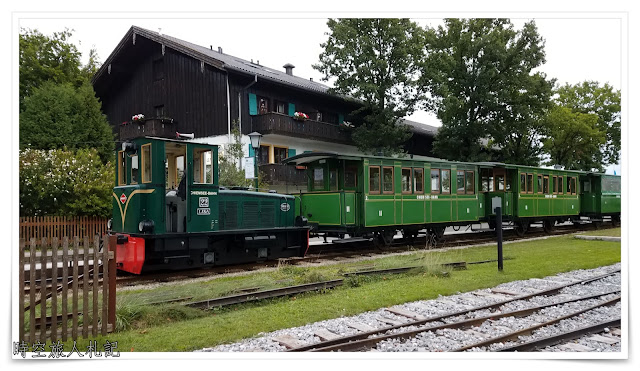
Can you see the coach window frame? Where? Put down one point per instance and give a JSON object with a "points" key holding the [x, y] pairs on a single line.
{"points": [[379, 190], [393, 181], [122, 168], [416, 183], [437, 177], [409, 181]]}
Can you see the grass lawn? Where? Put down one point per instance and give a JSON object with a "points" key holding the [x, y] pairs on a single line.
{"points": [[613, 232], [172, 327]]}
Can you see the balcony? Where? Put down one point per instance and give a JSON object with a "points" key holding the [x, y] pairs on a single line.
{"points": [[153, 127], [277, 123], [284, 178]]}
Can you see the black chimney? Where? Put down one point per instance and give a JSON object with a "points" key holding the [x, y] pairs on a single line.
{"points": [[288, 68]]}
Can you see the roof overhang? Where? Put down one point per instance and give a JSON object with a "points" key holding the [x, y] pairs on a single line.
{"points": [[305, 158]]}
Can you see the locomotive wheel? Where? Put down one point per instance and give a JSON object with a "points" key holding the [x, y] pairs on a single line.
{"points": [[549, 225], [521, 228]]}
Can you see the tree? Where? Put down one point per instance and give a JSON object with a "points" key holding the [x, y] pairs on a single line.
{"points": [[47, 58], [377, 62], [574, 139], [61, 115], [589, 97], [479, 73], [62, 182], [229, 172]]}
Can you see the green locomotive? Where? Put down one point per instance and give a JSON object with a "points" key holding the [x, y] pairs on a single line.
{"points": [[169, 211], [374, 197]]}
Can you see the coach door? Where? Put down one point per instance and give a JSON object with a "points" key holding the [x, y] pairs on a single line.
{"points": [[202, 188]]}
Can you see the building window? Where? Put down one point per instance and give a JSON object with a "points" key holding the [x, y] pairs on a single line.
{"points": [[158, 69], [121, 167], [159, 111], [435, 180], [318, 179], [374, 179], [470, 184], [134, 169], [406, 180], [263, 155], [387, 180], [279, 154], [418, 181], [318, 116], [263, 105], [460, 182], [146, 163], [446, 181], [280, 107]]}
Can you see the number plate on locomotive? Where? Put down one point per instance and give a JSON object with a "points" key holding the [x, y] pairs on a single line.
{"points": [[206, 211]]}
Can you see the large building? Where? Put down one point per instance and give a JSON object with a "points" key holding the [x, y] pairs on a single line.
{"points": [[182, 87]]}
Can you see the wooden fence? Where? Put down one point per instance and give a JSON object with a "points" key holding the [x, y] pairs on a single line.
{"points": [[67, 286], [50, 227]]}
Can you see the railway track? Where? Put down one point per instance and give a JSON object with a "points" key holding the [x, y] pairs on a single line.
{"points": [[507, 320], [327, 252]]}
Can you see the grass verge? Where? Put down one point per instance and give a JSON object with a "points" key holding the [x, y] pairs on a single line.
{"points": [[172, 327], [612, 232]]}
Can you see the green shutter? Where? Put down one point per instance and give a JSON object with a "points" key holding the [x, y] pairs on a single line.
{"points": [[292, 109], [251, 151], [253, 104], [340, 118], [292, 152]]}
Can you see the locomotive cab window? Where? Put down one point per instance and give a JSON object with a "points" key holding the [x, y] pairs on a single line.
{"points": [[146, 163], [134, 169], [374, 179], [121, 167], [202, 166]]}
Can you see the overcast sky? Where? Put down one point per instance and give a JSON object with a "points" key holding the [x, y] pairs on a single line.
{"points": [[577, 49]]}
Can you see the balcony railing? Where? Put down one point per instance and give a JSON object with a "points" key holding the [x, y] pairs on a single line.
{"points": [[153, 127], [281, 174], [277, 123]]}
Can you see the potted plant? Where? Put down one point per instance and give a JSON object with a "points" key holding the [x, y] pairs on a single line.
{"points": [[300, 116]]}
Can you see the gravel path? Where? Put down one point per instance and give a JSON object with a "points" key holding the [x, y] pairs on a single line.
{"points": [[451, 339]]}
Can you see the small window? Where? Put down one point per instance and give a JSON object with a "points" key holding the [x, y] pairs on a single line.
{"points": [[318, 178], [418, 181], [586, 187], [374, 179], [280, 106], [121, 168], [158, 69], [560, 185], [500, 182], [435, 180], [387, 180], [555, 184], [574, 189], [202, 166], [179, 169], [545, 185], [263, 105], [146, 163], [406, 180], [333, 180], [523, 183], [529, 183], [446, 181], [318, 116], [508, 184], [159, 110], [263, 156], [134, 169], [350, 177], [539, 183], [460, 182], [279, 154], [470, 184]]}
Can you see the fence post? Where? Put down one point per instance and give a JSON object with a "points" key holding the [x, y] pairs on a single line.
{"points": [[54, 291], [85, 287], [43, 290], [32, 291], [105, 287], [65, 287], [21, 297], [94, 282], [112, 282]]}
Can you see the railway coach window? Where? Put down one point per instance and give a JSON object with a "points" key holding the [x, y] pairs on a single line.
{"points": [[487, 180], [545, 185], [406, 180], [460, 182], [418, 181], [146, 163], [571, 182], [121, 167], [202, 166], [560, 185], [523, 183], [134, 169], [470, 184], [350, 177], [555, 184], [446, 181], [387, 180], [539, 183], [435, 180], [374, 179], [318, 179], [529, 183]]}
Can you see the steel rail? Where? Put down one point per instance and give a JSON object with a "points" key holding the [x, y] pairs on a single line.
{"points": [[266, 294], [529, 330], [371, 342], [556, 339], [365, 335]]}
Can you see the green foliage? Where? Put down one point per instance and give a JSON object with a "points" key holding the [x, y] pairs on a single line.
{"points": [[377, 62], [574, 139], [61, 115], [479, 73], [61, 182], [590, 98], [229, 173], [47, 58]]}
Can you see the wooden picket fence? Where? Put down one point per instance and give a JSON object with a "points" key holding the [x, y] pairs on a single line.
{"points": [[67, 286], [51, 227]]}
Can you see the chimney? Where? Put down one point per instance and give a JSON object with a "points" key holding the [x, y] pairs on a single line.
{"points": [[220, 50], [211, 47], [288, 68], [310, 78], [160, 31]]}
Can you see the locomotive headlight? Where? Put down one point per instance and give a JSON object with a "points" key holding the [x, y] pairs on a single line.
{"points": [[110, 224], [146, 226]]}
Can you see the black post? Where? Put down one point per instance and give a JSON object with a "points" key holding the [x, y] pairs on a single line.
{"points": [[499, 235]]}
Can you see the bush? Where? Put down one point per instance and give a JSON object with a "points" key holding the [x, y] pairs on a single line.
{"points": [[66, 183]]}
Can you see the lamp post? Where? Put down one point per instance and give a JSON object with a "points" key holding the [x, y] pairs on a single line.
{"points": [[255, 144]]}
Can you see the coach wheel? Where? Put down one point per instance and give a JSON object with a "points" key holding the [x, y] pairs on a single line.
{"points": [[492, 225], [615, 221], [596, 225], [521, 228], [438, 232], [549, 225]]}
